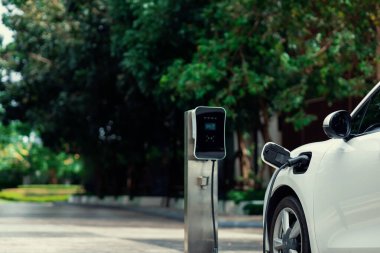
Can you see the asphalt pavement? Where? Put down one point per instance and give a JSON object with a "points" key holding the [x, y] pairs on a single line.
{"points": [[50, 228]]}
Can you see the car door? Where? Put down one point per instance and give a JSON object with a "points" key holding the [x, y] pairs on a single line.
{"points": [[347, 187]]}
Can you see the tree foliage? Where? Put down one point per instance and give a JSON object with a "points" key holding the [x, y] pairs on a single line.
{"points": [[24, 157], [89, 70], [110, 79], [262, 58]]}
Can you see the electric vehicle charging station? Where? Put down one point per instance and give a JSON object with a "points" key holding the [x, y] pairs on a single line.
{"points": [[204, 144]]}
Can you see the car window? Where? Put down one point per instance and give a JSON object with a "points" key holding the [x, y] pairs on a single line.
{"points": [[367, 118]]}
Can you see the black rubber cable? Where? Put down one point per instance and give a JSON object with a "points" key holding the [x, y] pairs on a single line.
{"points": [[213, 208], [267, 204]]}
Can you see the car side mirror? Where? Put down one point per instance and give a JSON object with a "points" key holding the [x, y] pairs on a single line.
{"points": [[275, 155], [337, 125]]}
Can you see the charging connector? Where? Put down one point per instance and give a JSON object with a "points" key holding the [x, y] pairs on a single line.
{"points": [[299, 160]]}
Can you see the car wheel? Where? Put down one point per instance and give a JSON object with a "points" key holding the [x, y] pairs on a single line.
{"points": [[288, 229]]}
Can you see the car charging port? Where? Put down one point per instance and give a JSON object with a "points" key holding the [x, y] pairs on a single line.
{"points": [[302, 166]]}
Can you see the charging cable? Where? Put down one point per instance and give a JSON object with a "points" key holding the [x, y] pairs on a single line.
{"points": [[302, 159], [215, 250]]}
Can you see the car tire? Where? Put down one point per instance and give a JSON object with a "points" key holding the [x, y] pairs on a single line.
{"points": [[288, 229]]}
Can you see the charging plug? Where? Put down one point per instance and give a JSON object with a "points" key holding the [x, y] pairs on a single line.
{"points": [[302, 160]]}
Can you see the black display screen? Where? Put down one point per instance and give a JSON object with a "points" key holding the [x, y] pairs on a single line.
{"points": [[210, 133], [210, 126]]}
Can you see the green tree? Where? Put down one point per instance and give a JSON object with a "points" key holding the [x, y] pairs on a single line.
{"points": [[23, 155], [259, 58], [68, 88], [89, 73], [98, 76]]}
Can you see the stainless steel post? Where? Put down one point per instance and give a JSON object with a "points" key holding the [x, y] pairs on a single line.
{"points": [[198, 219]]}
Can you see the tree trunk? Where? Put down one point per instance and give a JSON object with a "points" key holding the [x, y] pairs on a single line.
{"points": [[53, 176], [245, 164], [264, 121], [266, 171]]}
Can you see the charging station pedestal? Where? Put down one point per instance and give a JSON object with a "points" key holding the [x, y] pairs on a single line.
{"points": [[199, 234]]}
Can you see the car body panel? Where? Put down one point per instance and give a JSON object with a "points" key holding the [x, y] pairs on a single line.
{"points": [[347, 196], [339, 192]]}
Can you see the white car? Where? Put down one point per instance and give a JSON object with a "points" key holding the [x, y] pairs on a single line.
{"points": [[332, 204]]}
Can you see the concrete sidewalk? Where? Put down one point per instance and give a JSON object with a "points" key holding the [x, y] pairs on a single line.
{"points": [[224, 221], [63, 228]]}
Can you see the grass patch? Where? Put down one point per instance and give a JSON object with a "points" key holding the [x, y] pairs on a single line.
{"points": [[50, 186], [40, 193]]}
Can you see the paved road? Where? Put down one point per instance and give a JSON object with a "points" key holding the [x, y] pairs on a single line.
{"points": [[48, 228]]}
